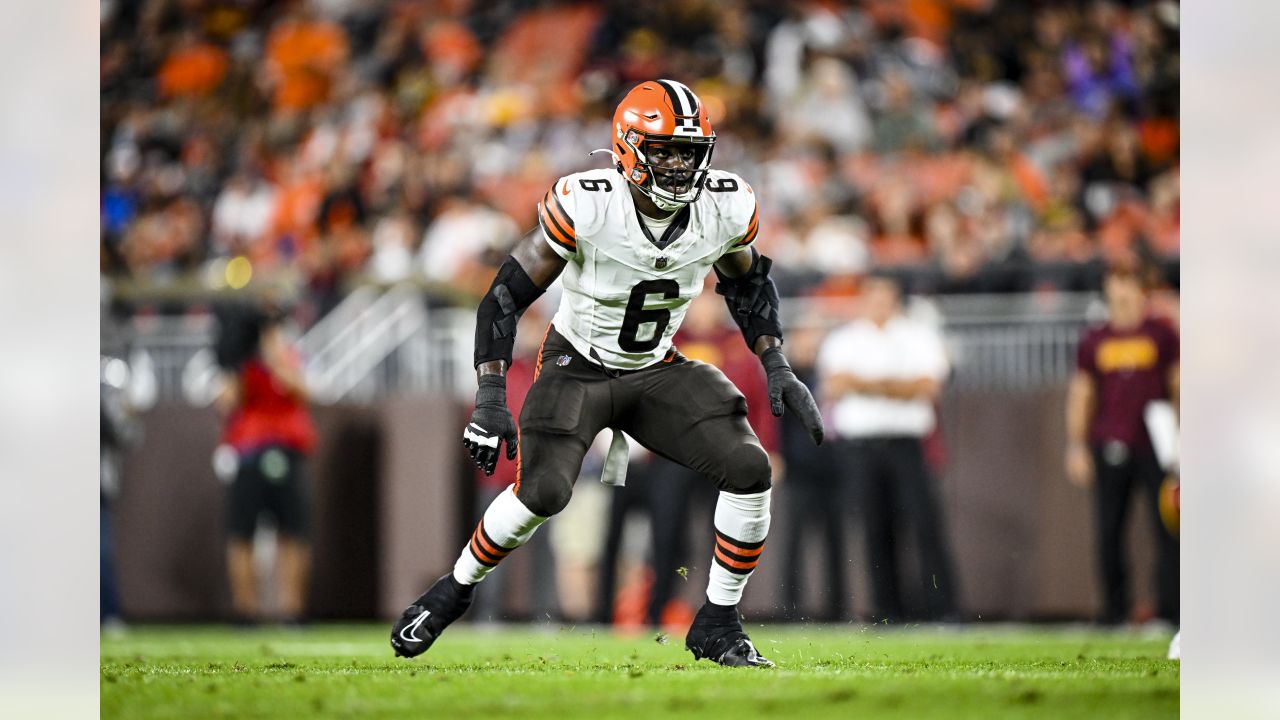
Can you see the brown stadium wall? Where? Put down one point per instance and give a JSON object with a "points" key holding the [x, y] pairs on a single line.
{"points": [[392, 507], [385, 482]]}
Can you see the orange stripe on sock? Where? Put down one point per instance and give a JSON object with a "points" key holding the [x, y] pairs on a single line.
{"points": [[736, 564], [721, 542], [489, 547], [480, 553]]}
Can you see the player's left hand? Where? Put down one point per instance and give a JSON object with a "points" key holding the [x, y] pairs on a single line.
{"points": [[786, 391]]}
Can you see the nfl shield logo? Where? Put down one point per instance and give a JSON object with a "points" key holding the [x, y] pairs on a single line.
{"points": [[563, 360]]}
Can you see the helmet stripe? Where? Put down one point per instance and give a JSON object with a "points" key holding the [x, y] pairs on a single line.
{"points": [[690, 98], [678, 102]]}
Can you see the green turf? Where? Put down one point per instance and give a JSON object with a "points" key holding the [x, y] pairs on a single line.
{"points": [[824, 671]]}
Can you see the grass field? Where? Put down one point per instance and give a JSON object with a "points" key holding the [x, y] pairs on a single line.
{"points": [[848, 671]]}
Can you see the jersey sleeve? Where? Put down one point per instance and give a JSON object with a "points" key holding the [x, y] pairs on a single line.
{"points": [[735, 202], [746, 218], [555, 217]]}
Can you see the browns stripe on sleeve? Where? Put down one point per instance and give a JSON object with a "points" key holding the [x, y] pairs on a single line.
{"points": [[753, 227], [556, 223]]}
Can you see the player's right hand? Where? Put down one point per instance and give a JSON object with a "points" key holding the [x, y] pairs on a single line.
{"points": [[491, 424]]}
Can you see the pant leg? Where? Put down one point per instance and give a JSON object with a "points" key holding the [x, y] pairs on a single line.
{"points": [[544, 593], [1112, 489], [1150, 476], [287, 496], [566, 407], [108, 596], [917, 504], [863, 466], [830, 500], [815, 503], [245, 498], [690, 413], [668, 495], [621, 501], [797, 496]]}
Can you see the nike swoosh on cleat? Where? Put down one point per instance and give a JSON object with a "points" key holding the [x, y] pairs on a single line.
{"points": [[408, 633]]}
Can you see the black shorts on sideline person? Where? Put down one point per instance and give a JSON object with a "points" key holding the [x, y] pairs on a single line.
{"points": [[269, 481]]}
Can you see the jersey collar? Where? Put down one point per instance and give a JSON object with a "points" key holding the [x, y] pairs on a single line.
{"points": [[673, 231]]}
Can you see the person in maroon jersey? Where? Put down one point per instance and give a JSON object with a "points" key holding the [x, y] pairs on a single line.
{"points": [[269, 428], [1122, 366]]}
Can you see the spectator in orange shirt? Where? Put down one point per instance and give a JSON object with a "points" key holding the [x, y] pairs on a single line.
{"points": [[193, 68], [303, 55]]}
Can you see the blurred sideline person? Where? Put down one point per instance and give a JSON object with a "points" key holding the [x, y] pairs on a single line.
{"points": [[1121, 367], [632, 244], [883, 373], [617, 603], [269, 429], [119, 431], [815, 500]]}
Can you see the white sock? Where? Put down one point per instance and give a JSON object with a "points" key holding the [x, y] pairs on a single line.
{"points": [[742, 522], [506, 525]]}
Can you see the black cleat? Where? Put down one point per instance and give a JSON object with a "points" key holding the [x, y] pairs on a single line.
{"points": [[428, 616], [717, 635]]}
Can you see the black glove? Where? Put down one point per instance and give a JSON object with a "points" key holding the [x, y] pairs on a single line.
{"points": [[786, 390], [490, 424]]}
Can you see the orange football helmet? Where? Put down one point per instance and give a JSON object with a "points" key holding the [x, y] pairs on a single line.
{"points": [[660, 112]]}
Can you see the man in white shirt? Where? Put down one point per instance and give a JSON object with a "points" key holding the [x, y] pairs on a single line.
{"points": [[881, 375]]}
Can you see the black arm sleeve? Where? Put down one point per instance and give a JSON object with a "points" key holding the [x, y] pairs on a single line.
{"points": [[753, 300], [499, 313]]}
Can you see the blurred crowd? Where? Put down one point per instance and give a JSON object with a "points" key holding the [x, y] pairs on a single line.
{"points": [[972, 145]]}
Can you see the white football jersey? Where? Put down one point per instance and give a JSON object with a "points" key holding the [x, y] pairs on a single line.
{"points": [[625, 295]]}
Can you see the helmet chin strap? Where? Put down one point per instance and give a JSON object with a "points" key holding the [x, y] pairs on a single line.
{"points": [[662, 197], [665, 204]]}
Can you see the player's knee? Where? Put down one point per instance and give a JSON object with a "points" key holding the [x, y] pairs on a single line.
{"points": [[545, 497], [747, 470]]}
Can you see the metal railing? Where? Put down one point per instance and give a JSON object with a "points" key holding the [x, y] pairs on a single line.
{"points": [[342, 357], [1002, 342], [383, 343]]}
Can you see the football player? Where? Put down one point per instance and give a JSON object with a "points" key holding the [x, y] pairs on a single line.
{"points": [[633, 244]]}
